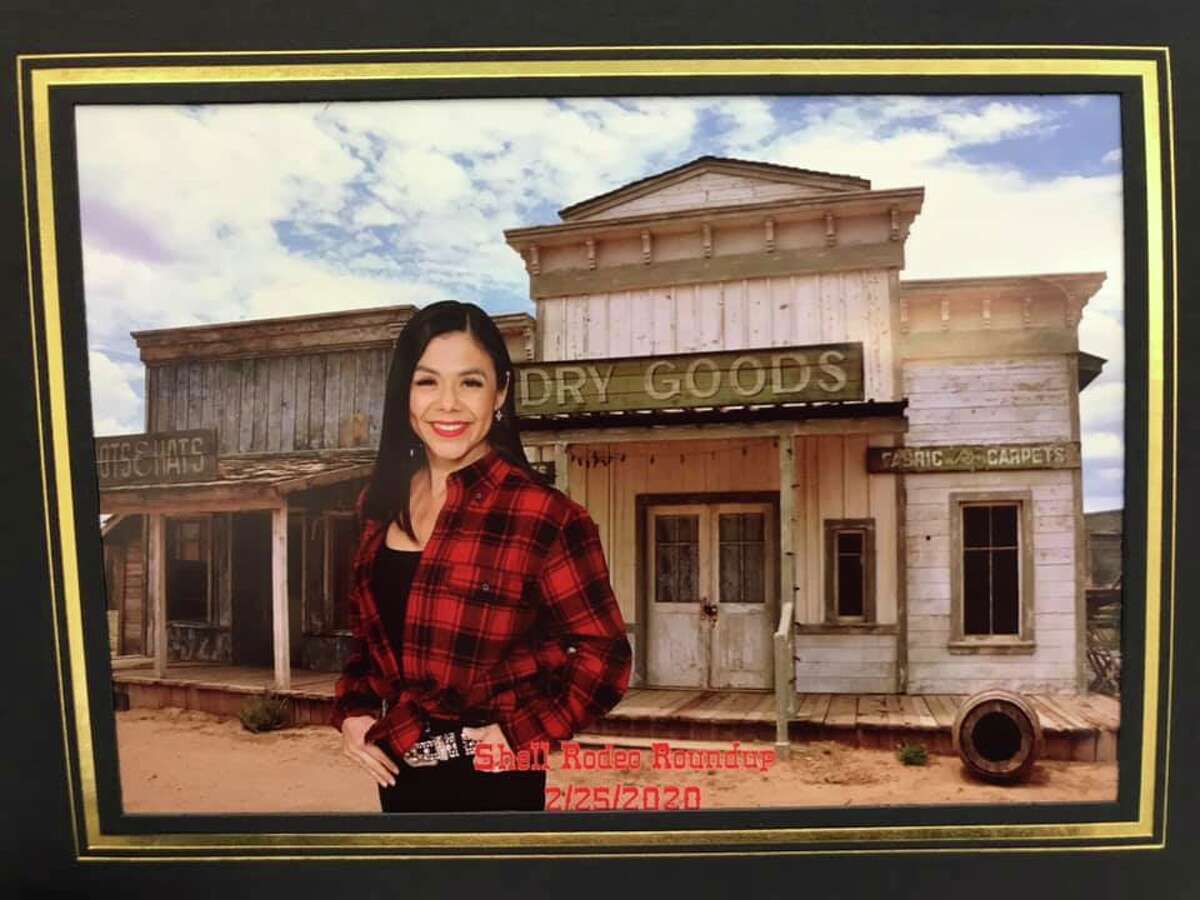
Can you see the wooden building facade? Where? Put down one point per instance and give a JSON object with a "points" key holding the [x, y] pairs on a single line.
{"points": [[808, 473]]}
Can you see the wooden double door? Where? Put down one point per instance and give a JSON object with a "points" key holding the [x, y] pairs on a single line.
{"points": [[711, 594]]}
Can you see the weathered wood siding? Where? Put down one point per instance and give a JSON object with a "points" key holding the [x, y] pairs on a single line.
{"points": [[316, 401], [707, 189], [831, 482], [607, 479], [977, 401], [733, 315]]}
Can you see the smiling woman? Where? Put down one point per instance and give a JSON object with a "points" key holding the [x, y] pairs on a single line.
{"points": [[481, 605]]}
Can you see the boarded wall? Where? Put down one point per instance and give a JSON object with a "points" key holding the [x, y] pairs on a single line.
{"points": [[733, 315]]}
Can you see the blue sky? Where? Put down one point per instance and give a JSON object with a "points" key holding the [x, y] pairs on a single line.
{"points": [[222, 213]]}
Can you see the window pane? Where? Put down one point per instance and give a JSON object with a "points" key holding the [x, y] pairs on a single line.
{"points": [[664, 574], [688, 574], [730, 526], [850, 585], [1005, 593], [1004, 526], [975, 526], [850, 542], [730, 575], [754, 573], [753, 526], [689, 529], [664, 528], [976, 590]]}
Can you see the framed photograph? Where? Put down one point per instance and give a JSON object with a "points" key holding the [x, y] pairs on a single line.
{"points": [[861, 360]]}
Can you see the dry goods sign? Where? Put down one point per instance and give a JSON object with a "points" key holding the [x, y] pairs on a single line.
{"points": [[686, 380]]}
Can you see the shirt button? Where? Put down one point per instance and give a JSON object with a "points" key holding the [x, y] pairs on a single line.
{"points": [[478, 497], [485, 586]]}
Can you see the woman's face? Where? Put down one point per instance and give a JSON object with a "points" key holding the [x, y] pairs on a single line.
{"points": [[453, 398]]}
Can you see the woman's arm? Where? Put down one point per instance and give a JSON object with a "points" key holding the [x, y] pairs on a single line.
{"points": [[582, 613]]}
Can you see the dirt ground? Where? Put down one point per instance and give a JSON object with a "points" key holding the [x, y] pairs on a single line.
{"points": [[181, 761]]}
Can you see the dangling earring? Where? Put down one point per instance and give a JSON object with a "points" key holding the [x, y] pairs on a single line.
{"points": [[499, 414], [412, 452]]}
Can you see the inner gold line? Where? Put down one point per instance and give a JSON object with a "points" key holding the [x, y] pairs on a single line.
{"points": [[1154, 465]]}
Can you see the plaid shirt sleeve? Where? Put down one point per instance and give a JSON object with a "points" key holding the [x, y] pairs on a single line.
{"points": [[583, 612], [353, 694]]}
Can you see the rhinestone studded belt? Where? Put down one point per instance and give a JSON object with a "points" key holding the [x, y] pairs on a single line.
{"points": [[439, 748]]}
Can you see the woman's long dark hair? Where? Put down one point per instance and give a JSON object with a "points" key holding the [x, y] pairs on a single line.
{"points": [[401, 452]]}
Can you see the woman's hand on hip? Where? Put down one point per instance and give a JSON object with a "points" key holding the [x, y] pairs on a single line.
{"points": [[366, 755]]}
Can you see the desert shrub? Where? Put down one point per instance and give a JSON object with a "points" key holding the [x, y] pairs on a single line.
{"points": [[267, 712], [912, 754]]}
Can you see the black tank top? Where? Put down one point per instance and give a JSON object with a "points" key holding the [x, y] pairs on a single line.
{"points": [[391, 579]]}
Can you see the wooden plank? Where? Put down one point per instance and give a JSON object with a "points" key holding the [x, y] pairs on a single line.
{"points": [[274, 411], [1047, 715], [942, 708], [812, 706], [842, 712], [262, 405], [870, 711], [347, 376], [854, 476], [651, 702], [915, 713], [300, 439], [316, 394], [361, 401], [829, 469], [377, 383], [1103, 711], [287, 418], [180, 399], [1063, 709], [333, 376]]}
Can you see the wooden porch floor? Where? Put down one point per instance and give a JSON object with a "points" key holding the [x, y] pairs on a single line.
{"points": [[1082, 727]]}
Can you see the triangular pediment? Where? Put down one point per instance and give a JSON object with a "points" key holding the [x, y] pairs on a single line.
{"points": [[711, 182]]}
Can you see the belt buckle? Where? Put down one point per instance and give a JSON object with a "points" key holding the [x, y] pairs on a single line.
{"points": [[422, 753]]}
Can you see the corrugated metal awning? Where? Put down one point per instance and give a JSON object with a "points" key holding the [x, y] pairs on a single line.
{"points": [[249, 481]]}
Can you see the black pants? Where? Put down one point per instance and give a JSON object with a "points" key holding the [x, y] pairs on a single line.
{"points": [[456, 786]]}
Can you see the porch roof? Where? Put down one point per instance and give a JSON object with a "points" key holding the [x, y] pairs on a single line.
{"points": [[247, 481], [758, 414]]}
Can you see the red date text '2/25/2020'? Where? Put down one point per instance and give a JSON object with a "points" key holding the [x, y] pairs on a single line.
{"points": [[618, 797]]}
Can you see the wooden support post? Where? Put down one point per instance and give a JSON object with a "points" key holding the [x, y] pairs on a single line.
{"points": [[562, 475], [785, 639], [157, 591], [279, 598]]}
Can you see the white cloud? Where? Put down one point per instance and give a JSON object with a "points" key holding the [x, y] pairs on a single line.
{"points": [[116, 408], [1112, 156], [994, 121]]}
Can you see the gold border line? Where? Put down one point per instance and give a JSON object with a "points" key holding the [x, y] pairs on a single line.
{"points": [[37, 393], [590, 48], [44, 79], [514, 69]]}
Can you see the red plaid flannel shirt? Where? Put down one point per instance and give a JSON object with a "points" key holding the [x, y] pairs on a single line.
{"points": [[511, 617]]}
